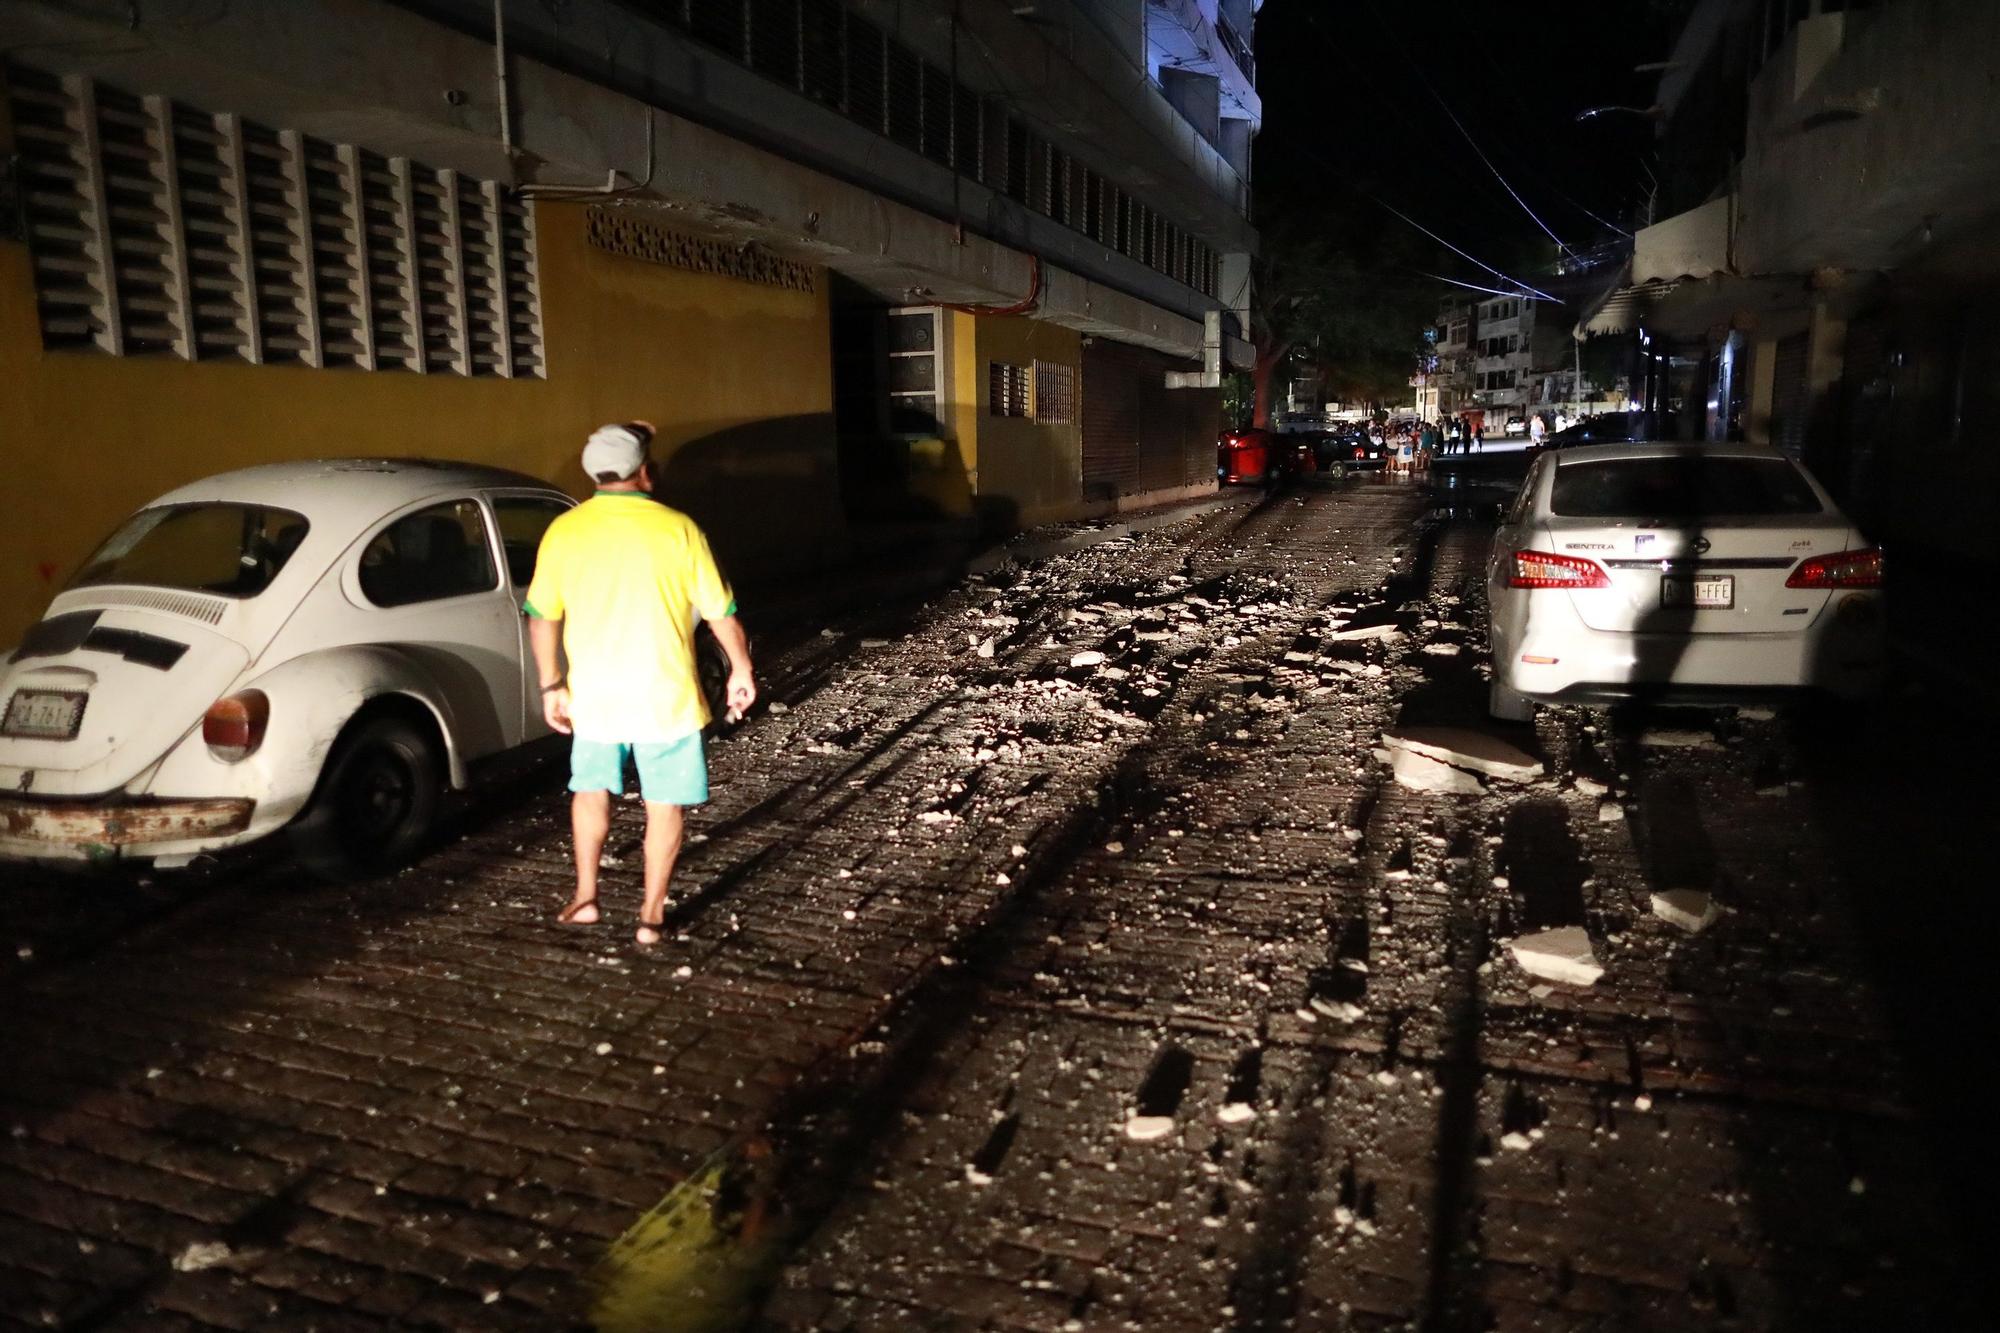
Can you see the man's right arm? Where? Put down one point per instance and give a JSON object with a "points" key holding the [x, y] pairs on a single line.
{"points": [[545, 638]]}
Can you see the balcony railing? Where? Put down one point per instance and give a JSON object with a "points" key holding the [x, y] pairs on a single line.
{"points": [[1239, 50]]}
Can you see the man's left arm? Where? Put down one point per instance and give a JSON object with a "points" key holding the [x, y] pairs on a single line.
{"points": [[728, 631]]}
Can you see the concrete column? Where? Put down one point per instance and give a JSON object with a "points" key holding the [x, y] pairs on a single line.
{"points": [[1233, 290], [1235, 145], [1763, 377], [1198, 97]]}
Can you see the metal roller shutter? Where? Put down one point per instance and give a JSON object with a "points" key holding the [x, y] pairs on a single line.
{"points": [[1139, 435]]}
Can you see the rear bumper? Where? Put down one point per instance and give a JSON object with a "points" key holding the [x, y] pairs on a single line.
{"points": [[106, 830], [1844, 657]]}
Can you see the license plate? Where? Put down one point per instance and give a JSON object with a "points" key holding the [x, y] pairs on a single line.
{"points": [[49, 715], [1715, 592]]}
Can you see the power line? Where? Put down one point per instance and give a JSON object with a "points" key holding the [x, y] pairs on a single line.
{"points": [[1423, 78]]}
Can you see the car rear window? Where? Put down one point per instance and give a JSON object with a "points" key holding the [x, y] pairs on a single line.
{"points": [[1682, 486], [231, 549]]}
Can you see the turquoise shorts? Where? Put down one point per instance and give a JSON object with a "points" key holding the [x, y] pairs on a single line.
{"points": [[670, 773]]}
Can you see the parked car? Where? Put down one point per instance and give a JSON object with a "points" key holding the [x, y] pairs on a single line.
{"points": [[1248, 457], [1610, 428], [1362, 450], [1678, 573], [1517, 425], [318, 647]]}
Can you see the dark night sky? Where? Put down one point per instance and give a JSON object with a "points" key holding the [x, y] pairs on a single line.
{"points": [[1347, 113]]}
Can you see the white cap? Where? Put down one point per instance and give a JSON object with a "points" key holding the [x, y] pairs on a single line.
{"points": [[616, 452]]}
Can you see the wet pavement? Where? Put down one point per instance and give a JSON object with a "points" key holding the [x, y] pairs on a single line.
{"points": [[1058, 953]]}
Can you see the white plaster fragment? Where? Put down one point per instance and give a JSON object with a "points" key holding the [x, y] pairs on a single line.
{"points": [[1690, 909], [1422, 773], [1591, 787], [202, 1254], [1235, 1113], [1609, 812], [1088, 658], [1146, 1128], [1364, 632], [1563, 954], [1461, 747]]}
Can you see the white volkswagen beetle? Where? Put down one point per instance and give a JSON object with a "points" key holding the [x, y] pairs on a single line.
{"points": [[319, 646]]}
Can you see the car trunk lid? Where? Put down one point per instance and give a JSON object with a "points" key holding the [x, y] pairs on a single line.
{"points": [[1722, 576], [137, 681]]}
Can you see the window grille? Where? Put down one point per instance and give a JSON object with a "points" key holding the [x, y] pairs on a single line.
{"points": [[160, 229], [1055, 393], [1007, 390]]}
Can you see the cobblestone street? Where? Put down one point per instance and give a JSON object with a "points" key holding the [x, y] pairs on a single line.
{"points": [[1055, 954]]}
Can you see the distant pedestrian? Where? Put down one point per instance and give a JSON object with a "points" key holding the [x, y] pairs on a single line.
{"points": [[1538, 431], [1479, 438], [619, 583]]}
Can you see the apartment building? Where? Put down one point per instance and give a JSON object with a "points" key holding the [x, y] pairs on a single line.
{"points": [[853, 257]]}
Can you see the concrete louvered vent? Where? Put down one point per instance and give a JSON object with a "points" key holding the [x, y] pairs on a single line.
{"points": [[160, 229]]}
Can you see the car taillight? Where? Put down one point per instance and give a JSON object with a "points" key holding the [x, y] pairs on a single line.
{"points": [[1846, 569], [234, 727], [1542, 569]]}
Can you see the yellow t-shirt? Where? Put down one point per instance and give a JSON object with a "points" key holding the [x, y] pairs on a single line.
{"points": [[628, 577]]}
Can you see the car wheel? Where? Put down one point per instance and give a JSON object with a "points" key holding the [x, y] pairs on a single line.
{"points": [[376, 802], [1509, 705]]}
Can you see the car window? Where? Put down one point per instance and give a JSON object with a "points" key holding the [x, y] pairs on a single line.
{"points": [[1524, 498], [522, 520], [1681, 486], [231, 549], [432, 554]]}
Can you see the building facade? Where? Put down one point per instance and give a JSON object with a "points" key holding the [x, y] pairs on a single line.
{"points": [[1827, 250], [852, 257]]}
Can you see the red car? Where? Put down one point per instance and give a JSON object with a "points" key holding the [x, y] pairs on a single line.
{"points": [[1246, 456], [1261, 457]]}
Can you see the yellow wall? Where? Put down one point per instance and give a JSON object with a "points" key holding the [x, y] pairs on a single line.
{"points": [[737, 376], [1035, 467]]}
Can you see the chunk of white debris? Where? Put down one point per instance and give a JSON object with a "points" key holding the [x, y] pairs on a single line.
{"points": [[491, 1296], [1643, 1102], [1422, 773], [1609, 812], [1677, 738], [1757, 714], [1235, 1113], [683, 972], [1462, 747], [1087, 658], [202, 1254], [604, 1048], [1364, 632], [1146, 1128], [935, 817], [1115, 848], [1344, 1011], [1517, 1141], [1563, 954], [778, 707], [974, 1176], [1591, 787], [1857, 1186], [1690, 909], [985, 648], [1442, 649]]}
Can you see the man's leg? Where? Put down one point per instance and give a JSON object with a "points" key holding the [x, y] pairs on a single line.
{"points": [[589, 825], [596, 769], [671, 775], [663, 847]]}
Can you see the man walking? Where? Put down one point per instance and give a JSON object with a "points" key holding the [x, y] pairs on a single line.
{"points": [[619, 582]]}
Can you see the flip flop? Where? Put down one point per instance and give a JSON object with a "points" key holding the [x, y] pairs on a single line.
{"points": [[570, 915]]}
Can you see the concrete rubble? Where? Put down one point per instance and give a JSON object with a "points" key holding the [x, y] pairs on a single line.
{"points": [[1454, 759], [1691, 909], [1563, 954]]}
